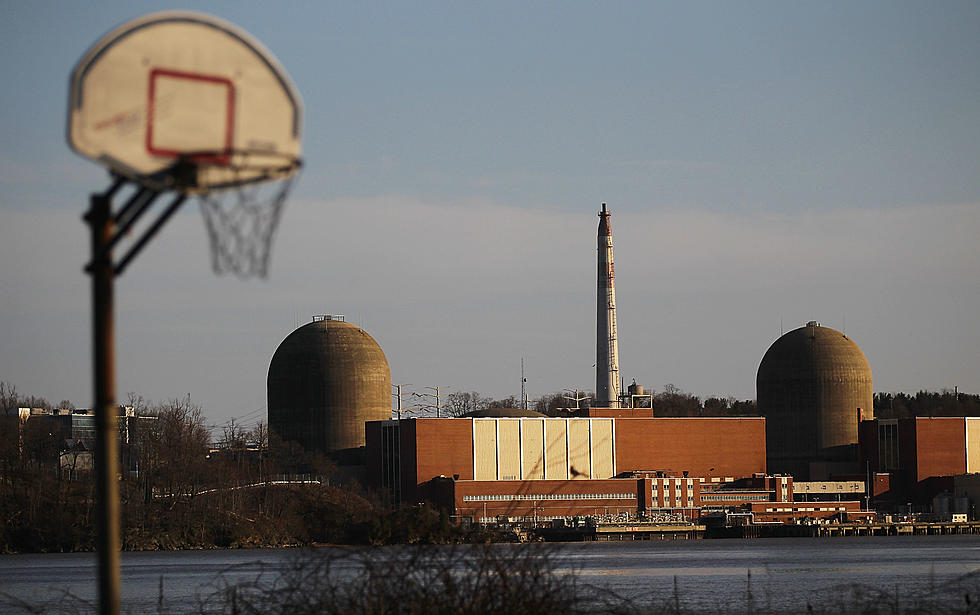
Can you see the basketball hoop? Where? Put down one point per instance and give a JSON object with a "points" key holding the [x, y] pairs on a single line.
{"points": [[183, 103]]}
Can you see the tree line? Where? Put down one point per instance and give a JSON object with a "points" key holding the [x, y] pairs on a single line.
{"points": [[669, 402], [926, 403], [179, 489]]}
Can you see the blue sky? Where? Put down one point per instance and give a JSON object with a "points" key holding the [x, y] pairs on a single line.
{"points": [[765, 163]]}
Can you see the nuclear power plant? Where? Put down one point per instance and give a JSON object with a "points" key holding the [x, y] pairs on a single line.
{"points": [[814, 388], [326, 379], [816, 452]]}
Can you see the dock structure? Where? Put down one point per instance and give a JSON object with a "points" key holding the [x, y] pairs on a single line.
{"points": [[822, 530], [610, 532], [897, 529]]}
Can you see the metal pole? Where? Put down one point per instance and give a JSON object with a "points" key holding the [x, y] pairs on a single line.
{"points": [[523, 384], [436, 389], [867, 484], [398, 387], [106, 441]]}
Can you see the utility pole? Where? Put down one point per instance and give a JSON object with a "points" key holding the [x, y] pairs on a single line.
{"points": [[398, 396], [435, 396], [436, 389]]}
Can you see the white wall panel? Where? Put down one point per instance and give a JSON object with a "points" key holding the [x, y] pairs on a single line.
{"points": [[602, 448], [532, 440], [508, 449], [579, 451], [484, 449], [556, 452], [972, 445]]}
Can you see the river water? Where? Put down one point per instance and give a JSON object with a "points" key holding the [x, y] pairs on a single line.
{"points": [[774, 575]]}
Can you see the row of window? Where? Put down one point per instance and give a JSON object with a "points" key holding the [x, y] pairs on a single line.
{"points": [[508, 497], [711, 497], [808, 509]]}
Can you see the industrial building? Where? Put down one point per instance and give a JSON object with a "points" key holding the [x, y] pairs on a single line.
{"points": [[74, 423], [402, 456], [326, 379], [74, 432], [814, 387], [534, 470], [545, 468], [915, 460], [964, 500]]}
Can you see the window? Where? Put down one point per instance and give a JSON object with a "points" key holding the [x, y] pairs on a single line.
{"points": [[888, 446], [516, 497]]}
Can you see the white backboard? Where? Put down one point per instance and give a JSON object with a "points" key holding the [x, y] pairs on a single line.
{"points": [[178, 83]]}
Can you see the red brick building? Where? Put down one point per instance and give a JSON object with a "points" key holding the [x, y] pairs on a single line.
{"points": [[915, 459], [404, 455], [783, 512], [762, 499], [537, 500]]}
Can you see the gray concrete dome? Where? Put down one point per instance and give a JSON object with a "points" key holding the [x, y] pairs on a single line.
{"points": [[325, 380], [812, 385]]}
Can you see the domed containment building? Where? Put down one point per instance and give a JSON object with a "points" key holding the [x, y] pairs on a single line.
{"points": [[813, 387], [325, 380]]}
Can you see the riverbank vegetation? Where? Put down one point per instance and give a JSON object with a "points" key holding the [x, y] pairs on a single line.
{"points": [[535, 579], [178, 491]]}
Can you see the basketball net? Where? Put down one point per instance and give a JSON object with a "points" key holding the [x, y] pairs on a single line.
{"points": [[241, 219]]}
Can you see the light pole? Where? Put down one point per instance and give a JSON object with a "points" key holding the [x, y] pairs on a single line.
{"points": [[576, 397]]}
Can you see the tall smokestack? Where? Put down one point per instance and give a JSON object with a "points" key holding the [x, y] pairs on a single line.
{"points": [[607, 344]]}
